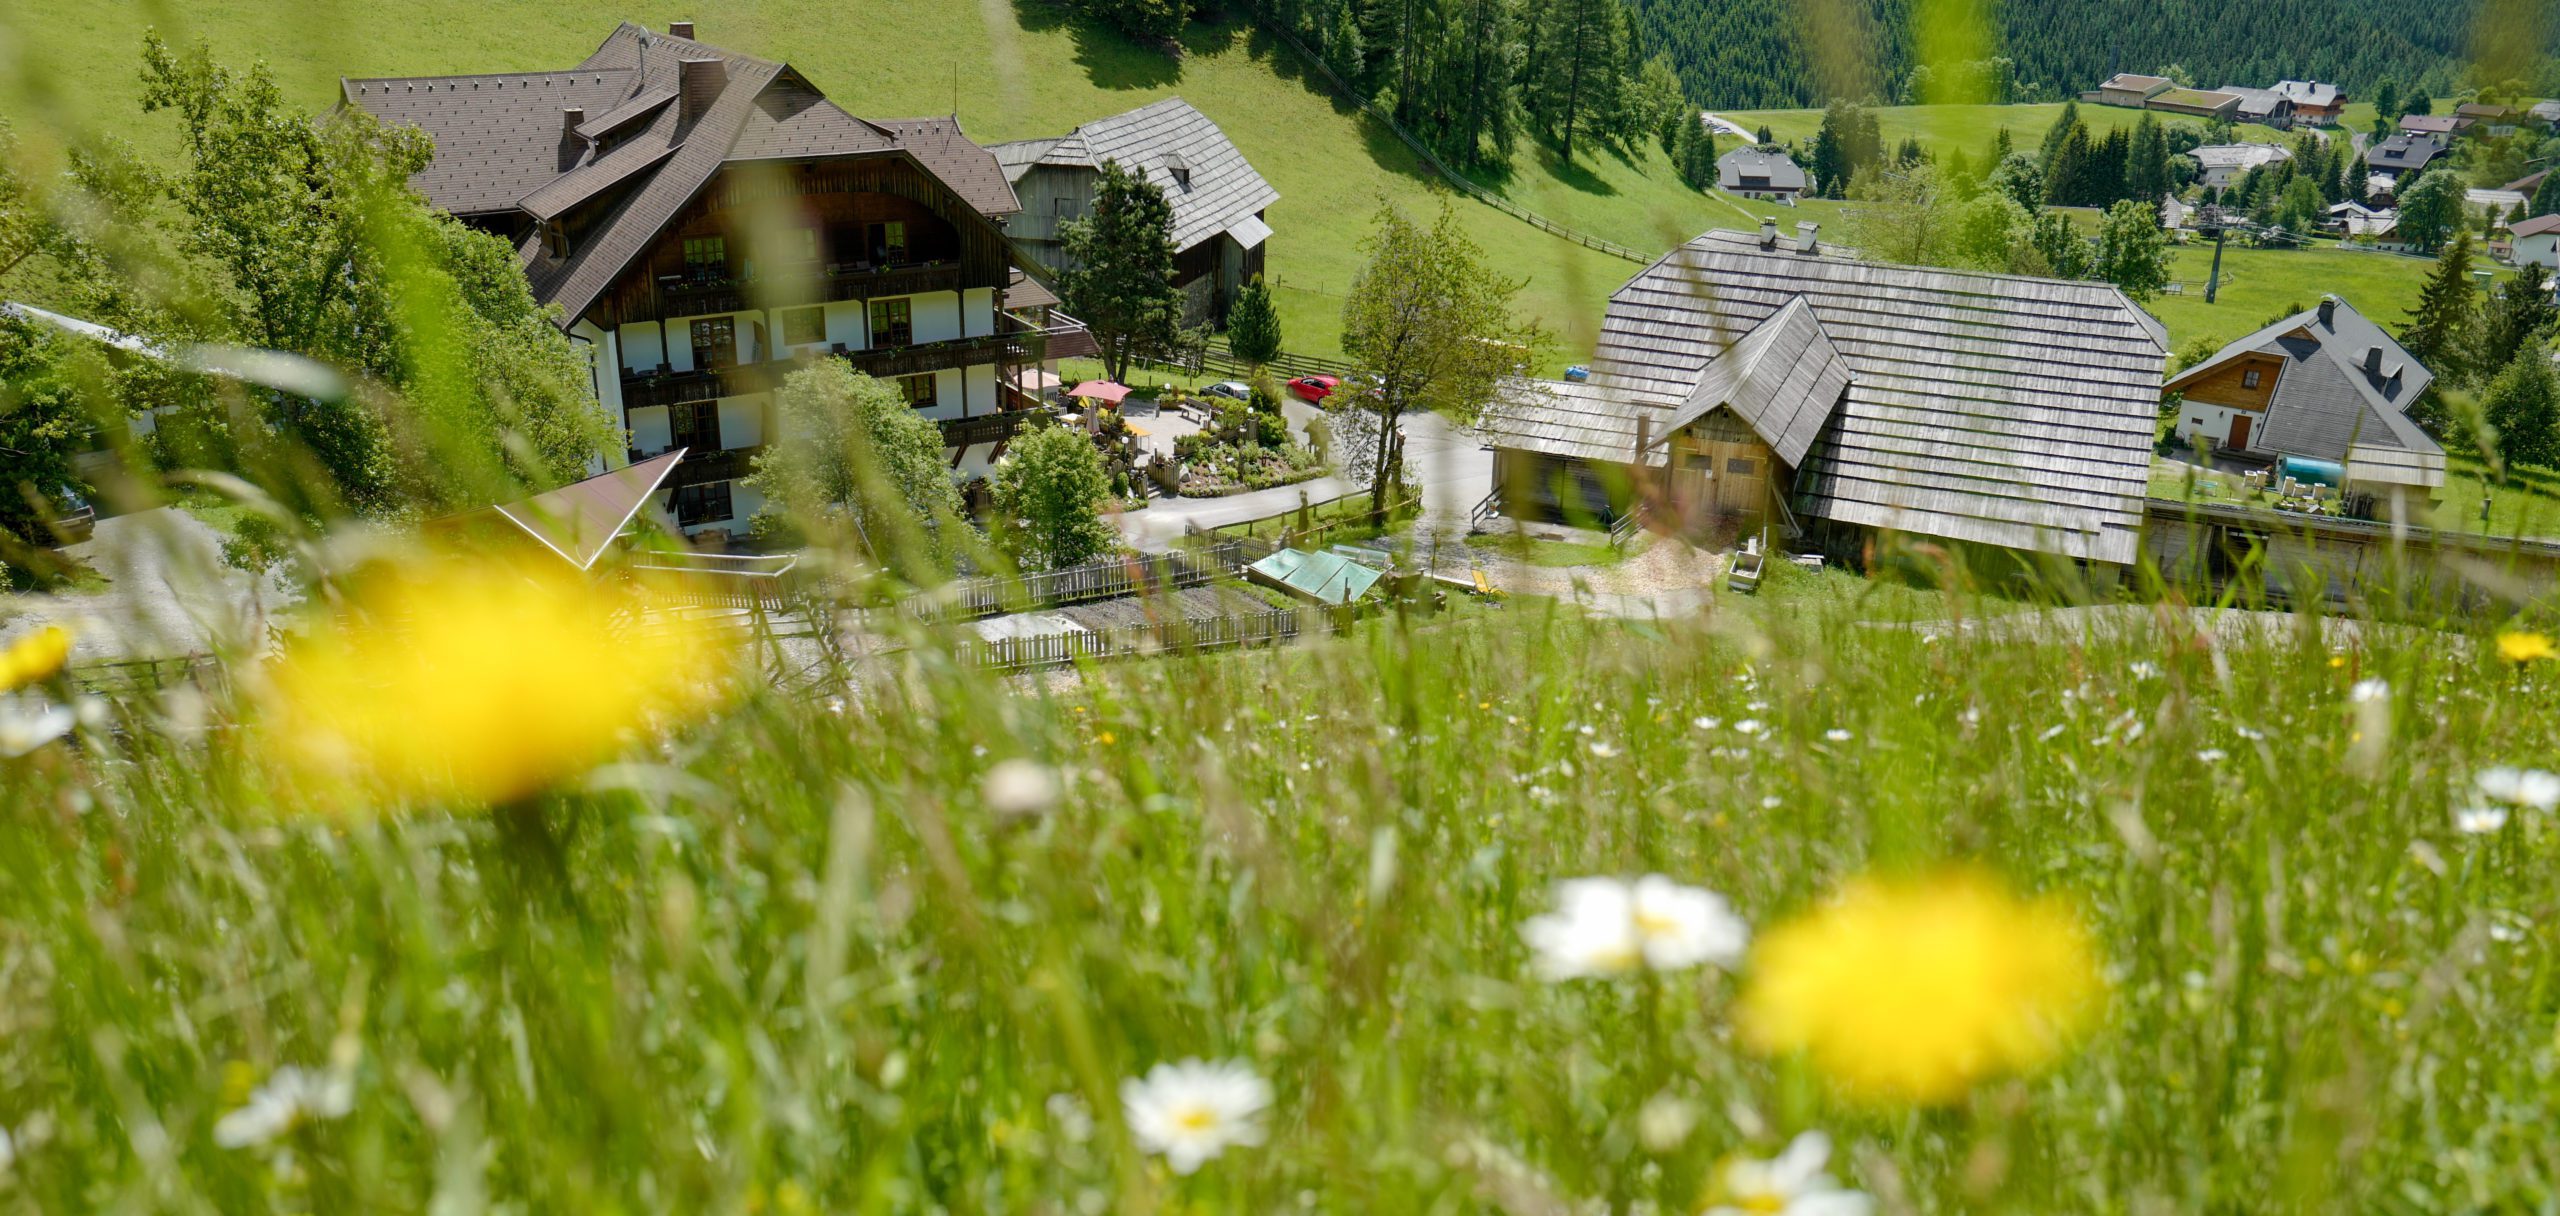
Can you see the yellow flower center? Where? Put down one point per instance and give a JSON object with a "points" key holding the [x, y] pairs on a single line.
{"points": [[1195, 1119], [1654, 924], [1761, 1201]]}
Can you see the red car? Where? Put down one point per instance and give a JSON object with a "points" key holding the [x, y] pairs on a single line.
{"points": [[1314, 388]]}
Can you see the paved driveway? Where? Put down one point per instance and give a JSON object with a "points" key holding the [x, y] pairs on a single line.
{"points": [[1452, 466], [168, 594]]}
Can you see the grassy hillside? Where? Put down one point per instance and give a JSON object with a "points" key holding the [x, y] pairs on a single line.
{"points": [[1968, 129], [1013, 71]]}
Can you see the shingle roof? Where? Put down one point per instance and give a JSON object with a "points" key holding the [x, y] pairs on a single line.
{"points": [[2403, 153], [2435, 124], [497, 137], [1776, 169], [1783, 379], [1157, 139], [2326, 406], [2008, 411], [2238, 156], [2256, 101], [2538, 225], [501, 146], [2310, 92], [2547, 111], [1582, 421], [2133, 82]]}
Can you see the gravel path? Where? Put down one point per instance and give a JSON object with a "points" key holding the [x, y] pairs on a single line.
{"points": [[168, 594]]}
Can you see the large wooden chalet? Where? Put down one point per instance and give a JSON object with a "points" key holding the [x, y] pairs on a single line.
{"points": [[1749, 380], [706, 221]]}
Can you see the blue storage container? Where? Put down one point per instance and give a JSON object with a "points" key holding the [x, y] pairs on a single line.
{"points": [[1577, 372]]}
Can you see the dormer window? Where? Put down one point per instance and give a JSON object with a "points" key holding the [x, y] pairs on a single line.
{"points": [[1179, 168], [2249, 378], [555, 239]]}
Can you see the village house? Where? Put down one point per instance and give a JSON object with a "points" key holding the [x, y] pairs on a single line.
{"points": [[707, 220], [2315, 103], [2537, 241], [2222, 164], [1762, 173], [1747, 381], [2403, 155], [1218, 200], [2326, 385], [2198, 103], [2546, 112], [2445, 127], [2132, 89], [2263, 106], [2495, 121]]}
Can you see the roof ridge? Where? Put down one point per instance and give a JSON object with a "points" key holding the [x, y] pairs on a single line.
{"points": [[479, 75]]}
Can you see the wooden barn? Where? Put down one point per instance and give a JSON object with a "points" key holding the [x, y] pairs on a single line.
{"points": [[1744, 381]]}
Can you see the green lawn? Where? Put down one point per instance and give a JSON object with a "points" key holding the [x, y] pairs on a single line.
{"points": [[2259, 285], [1015, 71], [1970, 128]]}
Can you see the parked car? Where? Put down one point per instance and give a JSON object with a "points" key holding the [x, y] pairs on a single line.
{"points": [[74, 519], [1232, 390], [1314, 388]]}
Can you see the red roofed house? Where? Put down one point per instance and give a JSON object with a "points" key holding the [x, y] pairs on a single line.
{"points": [[707, 221]]}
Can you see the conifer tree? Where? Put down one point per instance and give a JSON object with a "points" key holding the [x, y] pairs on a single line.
{"points": [[2440, 328], [1253, 325]]}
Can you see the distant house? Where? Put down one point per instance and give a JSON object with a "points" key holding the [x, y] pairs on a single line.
{"points": [[2223, 164], [2537, 240], [2444, 126], [1749, 378], [1218, 199], [2496, 204], [2354, 219], [2317, 104], [2326, 385], [2175, 214], [2496, 121], [2545, 112], [2266, 107], [2129, 89], [1759, 173], [2198, 103], [2527, 184], [2404, 155]]}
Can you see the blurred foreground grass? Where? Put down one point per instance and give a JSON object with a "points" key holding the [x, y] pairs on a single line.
{"points": [[808, 956]]}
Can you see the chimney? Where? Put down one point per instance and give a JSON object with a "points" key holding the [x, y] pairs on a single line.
{"points": [[1768, 232], [1806, 230], [2329, 312], [698, 84], [570, 118], [2373, 361], [680, 29]]}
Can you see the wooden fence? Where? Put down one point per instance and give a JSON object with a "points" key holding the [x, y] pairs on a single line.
{"points": [[1138, 575], [1131, 641], [128, 677]]}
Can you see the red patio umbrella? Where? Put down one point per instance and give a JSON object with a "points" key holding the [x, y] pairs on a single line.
{"points": [[1100, 390]]}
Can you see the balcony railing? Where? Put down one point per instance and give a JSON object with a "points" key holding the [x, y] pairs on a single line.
{"points": [[708, 294], [986, 428], [1014, 341]]}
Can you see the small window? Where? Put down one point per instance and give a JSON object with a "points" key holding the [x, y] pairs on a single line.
{"points": [[1064, 208], [706, 252], [802, 244], [1740, 466], [715, 342], [920, 391], [695, 425], [889, 242], [2249, 378], [804, 326], [1698, 462], [892, 322], [703, 504]]}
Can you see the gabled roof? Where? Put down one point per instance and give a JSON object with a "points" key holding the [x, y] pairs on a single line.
{"points": [[498, 137], [2538, 225], [2132, 82], [502, 146], [1574, 419], [1168, 141], [2257, 101], [2484, 110], [2326, 405], [1783, 379], [1991, 408], [2311, 93], [2547, 111], [2433, 124], [2402, 153], [2238, 156], [1738, 169], [2532, 181]]}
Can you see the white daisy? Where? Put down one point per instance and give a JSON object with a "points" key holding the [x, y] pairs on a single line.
{"points": [[2145, 671], [27, 723], [1750, 726], [1604, 749], [1793, 1184], [1191, 1111], [1605, 926], [2371, 689], [2480, 820], [289, 1099], [1705, 723], [1836, 735], [2529, 787], [1019, 788], [2211, 755]]}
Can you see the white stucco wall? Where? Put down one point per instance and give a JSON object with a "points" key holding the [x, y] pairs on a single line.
{"points": [[978, 311], [848, 322], [946, 395], [981, 379], [649, 431], [937, 316], [2542, 247], [2196, 417], [643, 345], [742, 419]]}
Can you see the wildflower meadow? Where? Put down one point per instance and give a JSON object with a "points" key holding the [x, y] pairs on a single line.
{"points": [[1505, 912]]}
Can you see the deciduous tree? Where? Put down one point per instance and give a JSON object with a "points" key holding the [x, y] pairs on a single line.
{"points": [[2133, 253], [857, 466], [1429, 326], [2433, 209], [1050, 488], [2522, 404]]}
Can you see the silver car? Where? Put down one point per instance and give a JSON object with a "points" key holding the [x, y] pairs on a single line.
{"points": [[1232, 390]]}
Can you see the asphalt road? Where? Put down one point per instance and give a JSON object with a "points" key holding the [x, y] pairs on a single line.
{"points": [[1452, 466]]}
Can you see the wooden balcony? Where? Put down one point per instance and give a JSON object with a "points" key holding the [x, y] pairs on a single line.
{"points": [[706, 295], [1015, 341], [986, 428]]}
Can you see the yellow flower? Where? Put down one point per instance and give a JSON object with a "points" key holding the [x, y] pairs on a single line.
{"points": [[478, 683], [35, 658], [1912, 989], [2520, 646]]}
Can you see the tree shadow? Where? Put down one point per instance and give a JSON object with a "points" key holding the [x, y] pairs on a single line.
{"points": [[1111, 60], [1571, 173], [1385, 150]]}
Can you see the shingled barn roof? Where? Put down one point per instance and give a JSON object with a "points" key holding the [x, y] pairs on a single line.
{"points": [[1210, 185], [2342, 394], [505, 144], [2008, 411]]}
